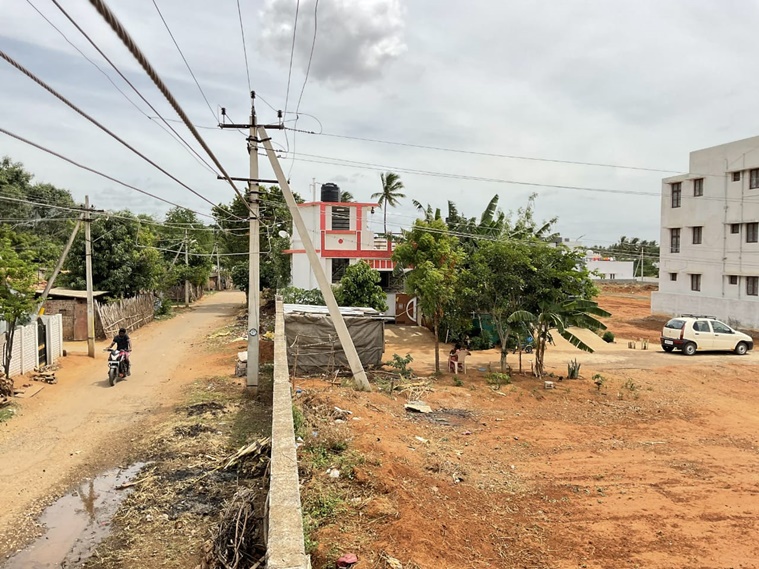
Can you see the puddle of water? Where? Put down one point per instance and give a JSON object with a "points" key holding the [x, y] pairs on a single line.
{"points": [[76, 523]]}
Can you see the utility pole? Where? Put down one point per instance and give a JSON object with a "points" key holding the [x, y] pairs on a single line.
{"points": [[359, 375], [254, 253], [218, 268], [186, 262], [88, 262], [641, 262]]}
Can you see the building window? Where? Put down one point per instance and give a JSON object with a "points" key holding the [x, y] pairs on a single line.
{"points": [[752, 286], [673, 276], [752, 232], [736, 176], [695, 282], [338, 269], [753, 178], [677, 192], [697, 235], [612, 276], [698, 187], [733, 279], [674, 240], [735, 228]]}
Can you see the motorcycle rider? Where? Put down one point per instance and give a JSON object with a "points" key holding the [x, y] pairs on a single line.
{"points": [[123, 343]]}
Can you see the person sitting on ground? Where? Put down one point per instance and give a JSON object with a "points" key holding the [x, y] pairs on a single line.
{"points": [[124, 344]]}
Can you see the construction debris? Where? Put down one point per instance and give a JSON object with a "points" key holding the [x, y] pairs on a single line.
{"points": [[46, 377]]}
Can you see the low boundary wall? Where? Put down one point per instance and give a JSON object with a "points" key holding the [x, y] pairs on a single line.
{"points": [[285, 545]]}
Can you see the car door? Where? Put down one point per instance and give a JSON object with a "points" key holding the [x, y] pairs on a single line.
{"points": [[724, 337], [702, 334]]}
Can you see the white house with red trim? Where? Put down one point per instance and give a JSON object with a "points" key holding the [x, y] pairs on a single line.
{"points": [[342, 236]]}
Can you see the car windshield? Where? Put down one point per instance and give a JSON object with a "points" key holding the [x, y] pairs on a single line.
{"points": [[675, 324]]}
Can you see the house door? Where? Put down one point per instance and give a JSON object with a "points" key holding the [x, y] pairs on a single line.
{"points": [[405, 309]]}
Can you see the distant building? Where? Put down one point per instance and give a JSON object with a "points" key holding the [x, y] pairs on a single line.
{"points": [[709, 262], [601, 267], [342, 236]]}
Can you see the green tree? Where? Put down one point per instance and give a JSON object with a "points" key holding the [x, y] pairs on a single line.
{"points": [[274, 232], [360, 287], [182, 229], [495, 281], [124, 262], [390, 193], [17, 287], [434, 259]]}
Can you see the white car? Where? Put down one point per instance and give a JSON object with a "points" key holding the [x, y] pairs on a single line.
{"points": [[704, 333]]}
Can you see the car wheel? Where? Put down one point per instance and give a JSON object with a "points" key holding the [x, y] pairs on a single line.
{"points": [[668, 348], [741, 348], [689, 349]]}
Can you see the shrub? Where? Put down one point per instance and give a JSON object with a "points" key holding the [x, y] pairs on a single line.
{"points": [[608, 337], [401, 364]]}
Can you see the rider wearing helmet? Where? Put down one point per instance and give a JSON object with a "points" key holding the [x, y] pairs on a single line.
{"points": [[123, 343]]}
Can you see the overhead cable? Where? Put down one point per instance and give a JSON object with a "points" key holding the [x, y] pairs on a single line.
{"points": [[116, 26]]}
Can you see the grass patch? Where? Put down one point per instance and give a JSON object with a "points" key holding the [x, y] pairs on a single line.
{"points": [[498, 379], [7, 413]]}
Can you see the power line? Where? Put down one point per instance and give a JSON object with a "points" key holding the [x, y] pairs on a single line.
{"points": [[488, 154], [171, 132], [72, 106], [101, 174], [128, 82], [305, 81], [292, 55], [179, 49], [116, 26], [244, 48]]}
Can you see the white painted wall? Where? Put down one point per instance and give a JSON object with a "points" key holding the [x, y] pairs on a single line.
{"points": [[612, 270], [721, 253]]}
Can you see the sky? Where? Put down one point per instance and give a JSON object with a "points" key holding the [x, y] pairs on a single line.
{"points": [[637, 84]]}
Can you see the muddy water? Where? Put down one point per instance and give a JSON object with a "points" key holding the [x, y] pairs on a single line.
{"points": [[76, 523]]}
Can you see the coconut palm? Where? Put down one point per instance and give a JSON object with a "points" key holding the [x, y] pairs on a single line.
{"points": [[390, 194]]}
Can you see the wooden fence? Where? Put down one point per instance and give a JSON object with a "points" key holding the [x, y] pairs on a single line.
{"points": [[129, 313]]}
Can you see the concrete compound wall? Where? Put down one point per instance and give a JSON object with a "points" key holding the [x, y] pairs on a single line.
{"points": [[25, 356], [737, 313], [285, 547]]}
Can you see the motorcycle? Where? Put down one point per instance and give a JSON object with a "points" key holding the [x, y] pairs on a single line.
{"points": [[116, 365]]}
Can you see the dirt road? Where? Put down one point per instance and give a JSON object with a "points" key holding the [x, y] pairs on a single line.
{"points": [[81, 425]]}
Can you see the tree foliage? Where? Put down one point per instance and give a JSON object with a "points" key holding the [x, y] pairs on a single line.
{"points": [[17, 288], [360, 287], [274, 217], [434, 260]]}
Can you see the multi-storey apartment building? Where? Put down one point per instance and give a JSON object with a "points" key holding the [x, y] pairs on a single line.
{"points": [[710, 236]]}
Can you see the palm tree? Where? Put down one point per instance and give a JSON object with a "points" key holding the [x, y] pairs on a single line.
{"points": [[346, 197], [390, 194]]}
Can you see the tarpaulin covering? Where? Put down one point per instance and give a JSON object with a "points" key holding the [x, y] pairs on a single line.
{"points": [[313, 345]]}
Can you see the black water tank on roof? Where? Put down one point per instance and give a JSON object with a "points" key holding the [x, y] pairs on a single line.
{"points": [[330, 192]]}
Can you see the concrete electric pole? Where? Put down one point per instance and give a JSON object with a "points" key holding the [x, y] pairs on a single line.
{"points": [[187, 263], [254, 258], [88, 262]]}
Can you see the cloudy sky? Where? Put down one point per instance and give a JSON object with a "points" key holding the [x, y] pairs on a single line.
{"points": [[636, 83]]}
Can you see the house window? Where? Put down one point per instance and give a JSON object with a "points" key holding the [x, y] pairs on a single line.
{"points": [[338, 269], [733, 279], [673, 276], [677, 192], [612, 276], [752, 286], [736, 176], [753, 178], [697, 235], [752, 232], [698, 187], [695, 282], [674, 240], [735, 228]]}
